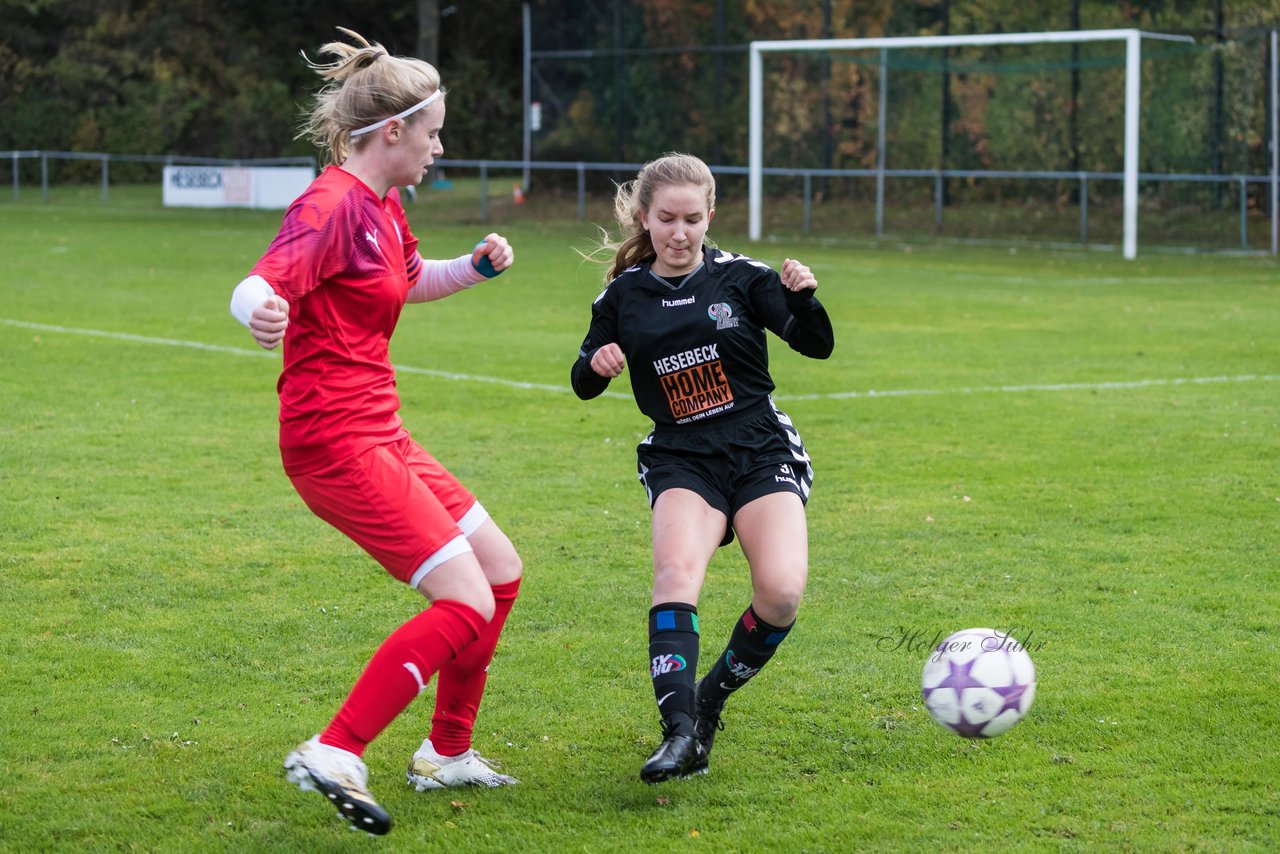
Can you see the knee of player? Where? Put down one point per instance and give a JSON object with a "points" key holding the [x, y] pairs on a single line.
{"points": [[498, 558], [778, 600], [506, 567], [676, 571], [484, 604], [479, 598]]}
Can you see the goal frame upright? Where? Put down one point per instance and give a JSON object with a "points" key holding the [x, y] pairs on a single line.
{"points": [[1132, 39]]}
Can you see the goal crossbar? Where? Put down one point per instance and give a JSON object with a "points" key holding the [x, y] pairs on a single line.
{"points": [[1132, 39]]}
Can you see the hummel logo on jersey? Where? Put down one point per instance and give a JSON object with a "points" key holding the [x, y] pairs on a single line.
{"points": [[672, 303], [666, 663]]}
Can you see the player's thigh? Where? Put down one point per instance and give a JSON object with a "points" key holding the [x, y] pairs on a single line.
{"points": [[460, 579], [687, 530], [775, 539], [498, 558]]}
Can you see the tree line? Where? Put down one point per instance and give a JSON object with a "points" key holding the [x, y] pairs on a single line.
{"points": [[624, 80], [223, 78]]}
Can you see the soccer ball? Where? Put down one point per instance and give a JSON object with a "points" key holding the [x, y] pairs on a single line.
{"points": [[978, 683]]}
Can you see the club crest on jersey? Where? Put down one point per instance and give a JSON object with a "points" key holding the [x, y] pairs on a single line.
{"points": [[722, 314]]}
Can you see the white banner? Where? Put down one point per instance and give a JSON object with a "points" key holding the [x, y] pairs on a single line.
{"points": [[234, 186]]}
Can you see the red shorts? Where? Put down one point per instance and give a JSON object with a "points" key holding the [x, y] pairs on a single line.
{"points": [[398, 503]]}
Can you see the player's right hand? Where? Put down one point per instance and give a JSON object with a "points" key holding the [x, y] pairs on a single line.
{"points": [[608, 361], [269, 321]]}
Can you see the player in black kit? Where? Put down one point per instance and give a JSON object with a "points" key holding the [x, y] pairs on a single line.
{"points": [[690, 320]]}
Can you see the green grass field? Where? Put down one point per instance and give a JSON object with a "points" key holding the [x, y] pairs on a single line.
{"points": [[1083, 450]]}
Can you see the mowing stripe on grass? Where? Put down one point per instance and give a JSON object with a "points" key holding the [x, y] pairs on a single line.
{"points": [[839, 395]]}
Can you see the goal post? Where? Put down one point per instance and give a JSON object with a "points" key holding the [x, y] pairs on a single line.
{"points": [[1132, 39]]}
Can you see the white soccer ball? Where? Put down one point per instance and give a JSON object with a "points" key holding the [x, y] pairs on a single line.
{"points": [[978, 683]]}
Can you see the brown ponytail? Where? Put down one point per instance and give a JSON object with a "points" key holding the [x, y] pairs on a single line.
{"points": [[635, 197]]}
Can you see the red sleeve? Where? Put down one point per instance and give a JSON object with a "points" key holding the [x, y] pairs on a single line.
{"points": [[312, 245]]}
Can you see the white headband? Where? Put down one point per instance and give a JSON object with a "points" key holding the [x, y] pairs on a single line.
{"points": [[418, 106]]}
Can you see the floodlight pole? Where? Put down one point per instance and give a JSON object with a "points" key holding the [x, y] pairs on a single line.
{"points": [[1132, 103]]}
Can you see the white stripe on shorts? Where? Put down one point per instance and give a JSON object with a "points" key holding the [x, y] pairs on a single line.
{"points": [[473, 519], [644, 471], [798, 450], [468, 524], [457, 546]]}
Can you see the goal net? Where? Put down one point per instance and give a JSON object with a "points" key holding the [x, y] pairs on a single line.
{"points": [[1071, 135]]}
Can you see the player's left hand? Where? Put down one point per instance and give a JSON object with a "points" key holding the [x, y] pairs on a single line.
{"points": [[497, 251], [797, 277]]}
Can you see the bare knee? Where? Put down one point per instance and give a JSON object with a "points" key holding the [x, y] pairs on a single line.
{"points": [[504, 567], [498, 558], [778, 600], [482, 602], [677, 581], [460, 580]]}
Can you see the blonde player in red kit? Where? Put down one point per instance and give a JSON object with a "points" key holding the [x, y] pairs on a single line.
{"points": [[331, 287]]}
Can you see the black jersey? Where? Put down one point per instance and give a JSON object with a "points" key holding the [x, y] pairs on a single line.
{"points": [[696, 349]]}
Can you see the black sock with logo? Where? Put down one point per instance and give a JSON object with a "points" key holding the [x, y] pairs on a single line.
{"points": [[751, 645], [673, 661]]}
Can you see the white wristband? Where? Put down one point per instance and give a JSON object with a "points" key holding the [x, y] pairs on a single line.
{"points": [[247, 296]]}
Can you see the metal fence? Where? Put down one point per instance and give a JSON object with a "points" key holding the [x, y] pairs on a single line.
{"points": [[1239, 184], [16, 157], [802, 180]]}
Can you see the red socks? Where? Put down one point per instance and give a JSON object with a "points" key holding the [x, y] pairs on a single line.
{"points": [[460, 684], [403, 665]]}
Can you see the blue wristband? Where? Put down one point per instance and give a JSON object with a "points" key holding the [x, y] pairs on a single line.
{"points": [[481, 261]]}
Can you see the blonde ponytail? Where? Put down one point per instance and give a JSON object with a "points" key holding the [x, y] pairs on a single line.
{"points": [[365, 83]]}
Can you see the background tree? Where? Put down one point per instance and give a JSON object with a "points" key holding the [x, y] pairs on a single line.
{"points": [[223, 78], [623, 80]]}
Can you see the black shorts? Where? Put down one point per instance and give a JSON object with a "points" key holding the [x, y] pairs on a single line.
{"points": [[729, 464]]}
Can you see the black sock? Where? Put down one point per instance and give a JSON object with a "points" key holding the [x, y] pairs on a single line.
{"points": [[751, 645], [673, 661]]}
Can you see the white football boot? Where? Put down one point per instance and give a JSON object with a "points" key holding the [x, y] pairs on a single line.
{"points": [[430, 770], [340, 776]]}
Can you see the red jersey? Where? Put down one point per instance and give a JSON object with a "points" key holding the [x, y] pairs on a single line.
{"points": [[345, 260]]}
